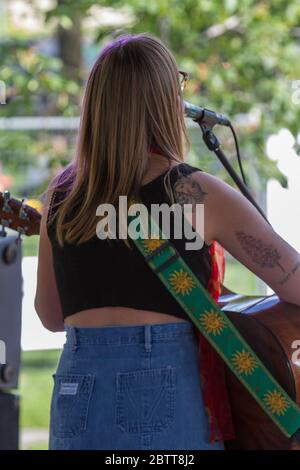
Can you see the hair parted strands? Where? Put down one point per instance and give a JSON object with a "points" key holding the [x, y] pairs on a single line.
{"points": [[130, 103]]}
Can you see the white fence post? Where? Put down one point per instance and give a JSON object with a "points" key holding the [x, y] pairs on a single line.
{"points": [[2, 92], [2, 352]]}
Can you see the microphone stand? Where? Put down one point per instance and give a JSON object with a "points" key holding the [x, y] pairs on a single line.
{"points": [[213, 144]]}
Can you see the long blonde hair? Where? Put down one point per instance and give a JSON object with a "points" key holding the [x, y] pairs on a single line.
{"points": [[130, 103]]}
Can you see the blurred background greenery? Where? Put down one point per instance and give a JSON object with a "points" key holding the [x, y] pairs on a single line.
{"points": [[243, 60]]}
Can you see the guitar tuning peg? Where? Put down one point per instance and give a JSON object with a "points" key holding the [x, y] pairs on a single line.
{"points": [[6, 199], [21, 232], [5, 223], [3, 233], [6, 195], [22, 212]]}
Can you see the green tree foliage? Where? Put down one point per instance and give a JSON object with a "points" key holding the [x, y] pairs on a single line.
{"points": [[34, 82], [242, 57]]}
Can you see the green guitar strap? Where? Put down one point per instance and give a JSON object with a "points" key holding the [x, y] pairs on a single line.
{"points": [[184, 286]]}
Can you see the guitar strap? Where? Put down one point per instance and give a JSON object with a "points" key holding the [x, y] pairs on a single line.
{"points": [[214, 325]]}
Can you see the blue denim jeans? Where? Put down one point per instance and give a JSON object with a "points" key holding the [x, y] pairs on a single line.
{"points": [[129, 388]]}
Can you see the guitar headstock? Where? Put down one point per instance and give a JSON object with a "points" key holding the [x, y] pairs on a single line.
{"points": [[18, 216]]}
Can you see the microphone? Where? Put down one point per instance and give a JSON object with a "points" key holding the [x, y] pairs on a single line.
{"points": [[204, 115]]}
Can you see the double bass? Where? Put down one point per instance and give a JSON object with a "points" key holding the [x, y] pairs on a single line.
{"points": [[270, 326]]}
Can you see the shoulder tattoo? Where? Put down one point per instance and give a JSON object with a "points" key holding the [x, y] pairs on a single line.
{"points": [[188, 191]]}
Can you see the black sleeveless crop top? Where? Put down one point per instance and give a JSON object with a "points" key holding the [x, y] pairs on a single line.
{"points": [[99, 273]]}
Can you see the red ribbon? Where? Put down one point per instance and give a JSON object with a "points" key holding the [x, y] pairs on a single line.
{"points": [[212, 367]]}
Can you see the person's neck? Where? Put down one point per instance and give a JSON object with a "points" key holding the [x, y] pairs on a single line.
{"points": [[157, 164]]}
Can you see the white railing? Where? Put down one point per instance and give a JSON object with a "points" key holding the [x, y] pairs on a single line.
{"points": [[40, 123], [31, 123]]}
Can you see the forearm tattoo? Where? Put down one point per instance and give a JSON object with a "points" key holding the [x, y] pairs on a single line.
{"points": [[266, 256], [292, 271], [188, 191]]}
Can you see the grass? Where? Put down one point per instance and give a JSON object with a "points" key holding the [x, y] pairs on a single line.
{"points": [[30, 245], [36, 380], [240, 280], [37, 446]]}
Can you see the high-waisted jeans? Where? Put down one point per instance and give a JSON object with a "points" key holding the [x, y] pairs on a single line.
{"points": [[129, 388]]}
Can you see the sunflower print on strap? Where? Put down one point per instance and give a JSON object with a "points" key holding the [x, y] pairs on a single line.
{"points": [[213, 323], [181, 282], [244, 362], [150, 244], [276, 402]]}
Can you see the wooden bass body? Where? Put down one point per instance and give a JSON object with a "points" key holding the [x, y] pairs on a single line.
{"points": [[272, 328]]}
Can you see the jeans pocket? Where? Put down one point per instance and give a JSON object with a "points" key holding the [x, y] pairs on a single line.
{"points": [[145, 399], [70, 404]]}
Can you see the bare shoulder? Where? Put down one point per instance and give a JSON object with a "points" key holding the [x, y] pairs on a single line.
{"points": [[228, 212], [222, 200], [202, 188], [213, 186]]}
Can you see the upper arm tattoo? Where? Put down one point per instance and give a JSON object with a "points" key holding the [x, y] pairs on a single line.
{"points": [[266, 256], [188, 191]]}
